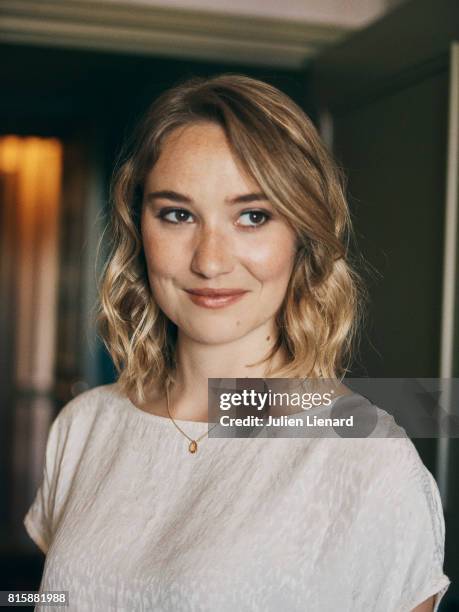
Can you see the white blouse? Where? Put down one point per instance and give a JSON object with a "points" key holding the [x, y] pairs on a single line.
{"points": [[130, 520]]}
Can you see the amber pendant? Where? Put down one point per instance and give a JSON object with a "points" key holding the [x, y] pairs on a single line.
{"points": [[193, 446]]}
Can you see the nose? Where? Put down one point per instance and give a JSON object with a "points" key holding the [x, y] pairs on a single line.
{"points": [[212, 254]]}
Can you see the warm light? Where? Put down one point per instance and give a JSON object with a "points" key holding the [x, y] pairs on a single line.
{"points": [[30, 180]]}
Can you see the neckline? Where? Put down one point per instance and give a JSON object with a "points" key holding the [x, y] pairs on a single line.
{"points": [[156, 417], [163, 419]]}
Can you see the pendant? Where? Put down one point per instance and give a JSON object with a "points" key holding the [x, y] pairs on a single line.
{"points": [[193, 446]]}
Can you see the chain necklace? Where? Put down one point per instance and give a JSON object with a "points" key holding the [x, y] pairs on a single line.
{"points": [[193, 445]]}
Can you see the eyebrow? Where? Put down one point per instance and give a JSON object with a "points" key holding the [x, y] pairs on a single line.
{"points": [[174, 196]]}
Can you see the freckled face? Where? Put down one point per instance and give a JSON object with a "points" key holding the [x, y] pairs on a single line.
{"points": [[200, 235]]}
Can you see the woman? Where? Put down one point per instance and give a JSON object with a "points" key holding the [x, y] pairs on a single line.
{"points": [[229, 260]]}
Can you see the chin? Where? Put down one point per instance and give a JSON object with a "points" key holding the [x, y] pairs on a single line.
{"points": [[215, 334]]}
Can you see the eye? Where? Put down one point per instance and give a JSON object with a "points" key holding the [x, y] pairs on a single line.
{"points": [[180, 212], [254, 216]]}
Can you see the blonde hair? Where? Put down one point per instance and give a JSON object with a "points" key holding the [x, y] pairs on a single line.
{"points": [[280, 148]]}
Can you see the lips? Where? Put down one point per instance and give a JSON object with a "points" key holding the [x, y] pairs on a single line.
{"points": [[216, 292], [212, 298]]}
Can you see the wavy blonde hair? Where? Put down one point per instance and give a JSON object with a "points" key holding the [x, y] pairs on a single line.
{"points": [[280, 148]]}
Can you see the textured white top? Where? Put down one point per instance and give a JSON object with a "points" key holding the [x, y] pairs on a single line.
{"points": [[130, 520]]}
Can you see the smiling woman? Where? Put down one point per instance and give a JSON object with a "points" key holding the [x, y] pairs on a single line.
{"points": [[230, 260], [215, 244], [230, 180]]}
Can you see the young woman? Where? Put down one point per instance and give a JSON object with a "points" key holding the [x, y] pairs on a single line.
{"points": [[229, 260]]}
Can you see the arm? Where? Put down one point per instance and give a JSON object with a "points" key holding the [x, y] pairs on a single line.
{"points": [[39, 518], [425, 606]]}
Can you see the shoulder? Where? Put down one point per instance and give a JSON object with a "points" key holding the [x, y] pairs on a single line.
{"points": [[88, 421], [87, 404], [397, 489], [389, 455], [80, 415], [384, 461]]}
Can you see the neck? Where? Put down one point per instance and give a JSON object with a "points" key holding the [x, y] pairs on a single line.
{"points": [[196, 362]]}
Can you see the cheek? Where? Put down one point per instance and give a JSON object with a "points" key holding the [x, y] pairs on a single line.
{"points": [[162, 257], [271, 261]]}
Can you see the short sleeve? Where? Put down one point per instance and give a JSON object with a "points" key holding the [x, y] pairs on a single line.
{"points": [[39, 518], [423, 541]]}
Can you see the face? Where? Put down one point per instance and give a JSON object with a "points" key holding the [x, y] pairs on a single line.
{"points": [[207, 225]]}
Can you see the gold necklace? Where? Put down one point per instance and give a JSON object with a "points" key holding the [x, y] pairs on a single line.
{"points": [[193, 445]]}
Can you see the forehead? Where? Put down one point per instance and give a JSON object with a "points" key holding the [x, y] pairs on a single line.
{"points": [[199, 135], [199, 151]]}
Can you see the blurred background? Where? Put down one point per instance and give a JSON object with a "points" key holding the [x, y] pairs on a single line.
{"points": [[379, 78]]}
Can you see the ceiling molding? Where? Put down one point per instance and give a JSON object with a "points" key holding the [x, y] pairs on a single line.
{"points": [[177, 33]]}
